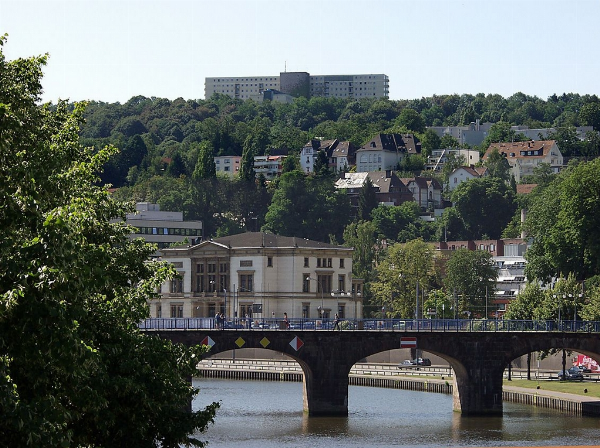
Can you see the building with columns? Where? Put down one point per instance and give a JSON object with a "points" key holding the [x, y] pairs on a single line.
{"points": [[260, 275]]}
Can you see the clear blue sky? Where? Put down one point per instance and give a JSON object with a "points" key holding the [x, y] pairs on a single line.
{"points": [[111, 50]]}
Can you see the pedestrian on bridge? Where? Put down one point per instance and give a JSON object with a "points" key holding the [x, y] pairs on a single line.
{"points": [[336, 322]]}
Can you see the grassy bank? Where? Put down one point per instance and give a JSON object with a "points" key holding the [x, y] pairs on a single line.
{"points": [[567, 387]]}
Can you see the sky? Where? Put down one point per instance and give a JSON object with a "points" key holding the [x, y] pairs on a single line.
{"points": [[112, 50]]}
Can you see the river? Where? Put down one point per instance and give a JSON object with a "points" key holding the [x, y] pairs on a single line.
{"points": [[269, 414]]}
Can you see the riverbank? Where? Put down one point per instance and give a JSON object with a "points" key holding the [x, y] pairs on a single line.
{"points": [[431, 379]]}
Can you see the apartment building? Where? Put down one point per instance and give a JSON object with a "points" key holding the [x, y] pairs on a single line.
{"points": [[300, 84], [162, 228]]}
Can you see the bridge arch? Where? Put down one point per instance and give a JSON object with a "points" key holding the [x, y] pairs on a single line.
{"points": [[326, 357]]}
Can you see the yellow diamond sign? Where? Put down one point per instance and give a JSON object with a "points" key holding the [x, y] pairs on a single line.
{"points": [[264, 342], [240, 342]]}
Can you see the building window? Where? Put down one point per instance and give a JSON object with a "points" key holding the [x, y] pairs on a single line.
{"points": [[341, 311], [270, 262], [212, 284], [177, 285], [199, 269], [305, 282], [329, 263], [212, 267], [199, 283], [341, 283], [341, 263], [305, 310], [246, 282], [176, 310], [318, 262], [324, 283], [158, 311], [305, 262], [222, 267]]}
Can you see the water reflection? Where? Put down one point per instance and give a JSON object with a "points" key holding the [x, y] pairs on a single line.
{"points": [[268, 414]]}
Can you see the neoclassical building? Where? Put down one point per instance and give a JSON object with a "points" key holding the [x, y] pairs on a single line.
{"points": [[260, 275]]}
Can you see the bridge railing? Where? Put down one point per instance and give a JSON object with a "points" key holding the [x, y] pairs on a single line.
{"points": [[373, 324]]}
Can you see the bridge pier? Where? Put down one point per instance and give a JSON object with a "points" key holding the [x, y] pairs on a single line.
{"points": [[326, 390]]}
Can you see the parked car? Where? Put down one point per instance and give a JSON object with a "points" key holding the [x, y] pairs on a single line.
{"points": [[421, 362], [571, 374], [584, 369]]}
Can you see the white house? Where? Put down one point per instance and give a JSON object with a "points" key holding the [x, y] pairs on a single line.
{"points": [[260, 274], [524, 157], [464, 173]]}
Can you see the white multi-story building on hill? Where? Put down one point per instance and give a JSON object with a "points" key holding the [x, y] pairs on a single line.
{"points": [[300, 84]]}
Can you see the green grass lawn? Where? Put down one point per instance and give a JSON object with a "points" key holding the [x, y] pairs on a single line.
{"points": [[569, 387]]}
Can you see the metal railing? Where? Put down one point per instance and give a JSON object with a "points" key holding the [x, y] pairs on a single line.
{"points": [[374, 324]]}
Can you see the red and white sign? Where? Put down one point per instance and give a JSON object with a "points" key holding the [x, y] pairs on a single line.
{"points": [[408, 342], [296, 343], [208, 341]]}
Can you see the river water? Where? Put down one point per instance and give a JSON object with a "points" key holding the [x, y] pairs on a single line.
{"points": [[269, 414]]}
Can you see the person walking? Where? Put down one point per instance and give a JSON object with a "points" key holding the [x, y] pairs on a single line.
{"points": [[286, 322], [336, 322]]}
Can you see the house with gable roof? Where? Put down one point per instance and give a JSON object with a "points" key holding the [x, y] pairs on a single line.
{"points": [[464, 173], [427, 193], [385, 151], [389, 189], [259, 275], [340, 154], [524, 157]]}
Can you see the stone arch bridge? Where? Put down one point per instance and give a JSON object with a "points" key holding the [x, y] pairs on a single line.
{"points": [[478, 358]]}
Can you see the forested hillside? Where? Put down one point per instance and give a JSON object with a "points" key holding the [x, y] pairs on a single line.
{"points": [[166, 150]]}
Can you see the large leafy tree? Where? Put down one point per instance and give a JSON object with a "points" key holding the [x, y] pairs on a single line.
{"points": [[74, 368], [367, 200], [497, 165], [362, 236], [403, 276], [471, 278], [485, 207], [307, 207], [564, 222]]}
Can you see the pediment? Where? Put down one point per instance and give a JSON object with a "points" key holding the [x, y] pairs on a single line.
{"points": [[209, 248]]}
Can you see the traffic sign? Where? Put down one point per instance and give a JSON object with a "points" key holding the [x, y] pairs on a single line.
{"points": [[408, 342]]}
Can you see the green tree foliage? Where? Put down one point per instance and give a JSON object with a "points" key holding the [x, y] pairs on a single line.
{"points": [[525, 306], [565, 224], [367, 200], [567, 141], [321, 167], [401, 223], [441, 303], [362, 236], [411, 120], [307, 207], [429, 141], [408, 266], [484, 206], [205, 167], [497, 165], [590, 114], [471, 276], [75, 370]]}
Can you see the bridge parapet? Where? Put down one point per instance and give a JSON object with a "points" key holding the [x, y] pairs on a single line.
{"points": [[478, 358]]}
